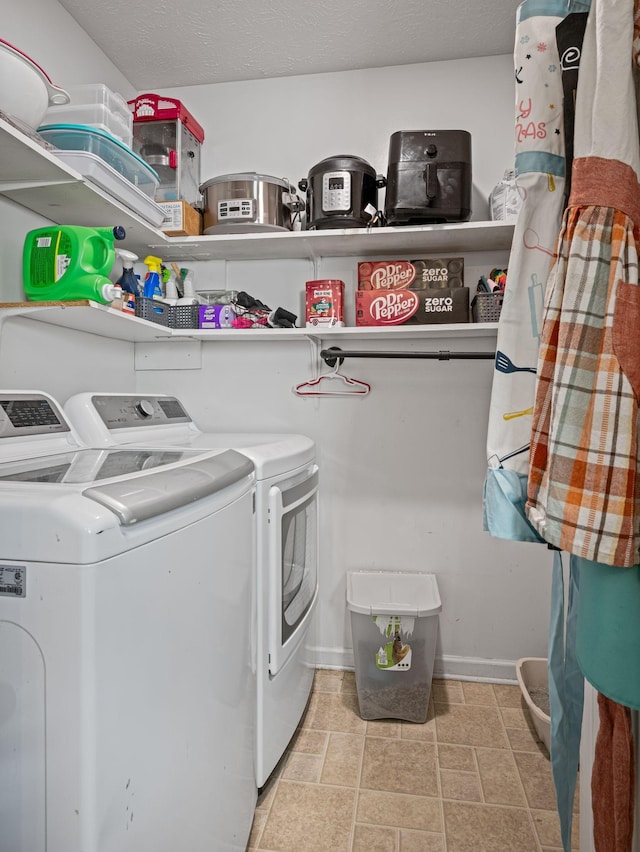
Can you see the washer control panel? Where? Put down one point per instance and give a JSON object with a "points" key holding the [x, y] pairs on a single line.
{"points": [[29, 414]]}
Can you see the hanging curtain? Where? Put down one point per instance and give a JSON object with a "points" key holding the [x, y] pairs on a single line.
{"points": [[540, 177], [583, 494]]}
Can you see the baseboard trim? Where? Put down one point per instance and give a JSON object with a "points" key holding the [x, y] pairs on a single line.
{"points": [[459, 668]]}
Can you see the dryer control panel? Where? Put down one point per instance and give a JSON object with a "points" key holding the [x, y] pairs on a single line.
{"points": [[122, 412]]}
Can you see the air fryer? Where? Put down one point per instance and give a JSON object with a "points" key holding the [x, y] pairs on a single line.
{"points": [[428, 177], [342, 192]]}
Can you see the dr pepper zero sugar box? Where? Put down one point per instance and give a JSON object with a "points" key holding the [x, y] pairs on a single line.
{"points": [[397, 292]]}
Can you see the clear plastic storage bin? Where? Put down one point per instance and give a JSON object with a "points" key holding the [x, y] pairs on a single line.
{"points": [[79, 137], [95, 105], [394, 621]]}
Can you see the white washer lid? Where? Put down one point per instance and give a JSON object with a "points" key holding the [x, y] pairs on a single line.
{"points": [[393, 593]]}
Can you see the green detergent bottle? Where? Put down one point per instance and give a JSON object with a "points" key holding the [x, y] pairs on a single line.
{"points": [[66, 262]]}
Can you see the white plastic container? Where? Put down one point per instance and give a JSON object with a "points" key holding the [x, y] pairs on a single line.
{"points": [[81, 137], [533, 679], [394, 622], [97, 171], [95, 105]]}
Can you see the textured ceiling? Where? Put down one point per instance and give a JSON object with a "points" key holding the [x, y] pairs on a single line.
{"points": [[166, 43]]}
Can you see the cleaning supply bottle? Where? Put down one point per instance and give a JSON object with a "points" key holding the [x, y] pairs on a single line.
{"points": [[188, 293], [64, 262], [170, 286], [128, 280], [152, 286]]}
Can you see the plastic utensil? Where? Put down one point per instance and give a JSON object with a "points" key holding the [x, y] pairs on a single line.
{"points": [[504, 364]]}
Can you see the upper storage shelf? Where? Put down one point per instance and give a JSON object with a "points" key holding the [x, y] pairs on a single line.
{"points": [[37, 179]]}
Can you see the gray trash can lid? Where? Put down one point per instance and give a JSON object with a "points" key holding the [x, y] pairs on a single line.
{"points": [[393, 593]]}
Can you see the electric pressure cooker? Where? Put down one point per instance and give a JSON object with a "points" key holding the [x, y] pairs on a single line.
{"points": [[342, 192], [249, 202]]}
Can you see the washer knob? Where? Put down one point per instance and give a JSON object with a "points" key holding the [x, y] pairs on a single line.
{"points": [[144, 408]]}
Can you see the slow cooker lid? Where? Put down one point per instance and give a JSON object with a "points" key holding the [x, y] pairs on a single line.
{"points": [[342, 162], [246, 176]]}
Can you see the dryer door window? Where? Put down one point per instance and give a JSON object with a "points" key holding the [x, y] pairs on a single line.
{"points": [[299, 568], [293, 515]]}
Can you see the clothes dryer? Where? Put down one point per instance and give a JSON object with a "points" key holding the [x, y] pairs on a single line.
{"points": [[126, 690], [286, 543]]}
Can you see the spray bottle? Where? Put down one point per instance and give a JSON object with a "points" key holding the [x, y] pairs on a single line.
{"points": [[170, 287], [65, 262], [128, 280], [188, 293], [152, 286]]}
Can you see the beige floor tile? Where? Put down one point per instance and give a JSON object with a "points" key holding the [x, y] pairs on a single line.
{"points": [[343, 760], [348, 682], [302, 767], [447, 691], [516, 717], [547, 826], [347, 785], [508, 695], [384, 728], [469, 724], [456, 757], [464, 786], [421, 841], [425, 732], [374, 838], [337, 712], [499, 777], [487, 828], [309, 816], [309, 742], [526, 739], [478, 693], [395, 809], [535, 773], [327, 680], [399, 766]]}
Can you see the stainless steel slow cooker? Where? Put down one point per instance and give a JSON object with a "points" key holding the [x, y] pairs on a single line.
{"points": [[342, 192], [249, 202]]}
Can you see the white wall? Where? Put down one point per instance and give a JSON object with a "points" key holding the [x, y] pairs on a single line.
{"points": [[402, 469], [51, 37], [285, 126]]}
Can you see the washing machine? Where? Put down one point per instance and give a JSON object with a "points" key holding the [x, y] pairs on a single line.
{"points": [[127, 696], [286, 543]]}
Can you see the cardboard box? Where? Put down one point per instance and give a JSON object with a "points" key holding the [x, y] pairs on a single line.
{"points": [[324, 303], [216, 316], [434, 273], [411, 307], [181, 219]]}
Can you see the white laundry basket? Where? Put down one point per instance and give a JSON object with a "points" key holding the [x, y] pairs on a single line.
{"points": [[394, 622]]}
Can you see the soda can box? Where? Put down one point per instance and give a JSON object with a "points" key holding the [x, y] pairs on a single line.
{"points": [[324, 303], [412, 307], [216, 316], [439, 273]]}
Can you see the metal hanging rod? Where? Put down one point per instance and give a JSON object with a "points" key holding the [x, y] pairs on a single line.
{"points": [[334, 353]]}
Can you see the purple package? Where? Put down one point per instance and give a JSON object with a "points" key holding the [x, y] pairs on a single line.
{"points": [[216, 316]]}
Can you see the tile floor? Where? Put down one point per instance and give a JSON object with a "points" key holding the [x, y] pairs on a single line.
{"points": [[473, 778]]}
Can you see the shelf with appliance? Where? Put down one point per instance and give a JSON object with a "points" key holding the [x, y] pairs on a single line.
{"points": [[93, 318], [35, 178], [345, 242]]}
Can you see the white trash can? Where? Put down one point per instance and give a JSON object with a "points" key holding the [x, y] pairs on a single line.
{"points": [[394, 622]]}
